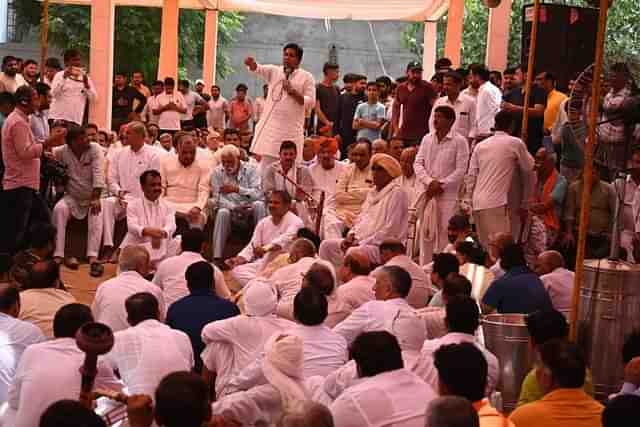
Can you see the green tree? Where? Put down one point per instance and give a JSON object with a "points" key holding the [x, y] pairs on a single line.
{"points": [[622, 42], [137, 35]]}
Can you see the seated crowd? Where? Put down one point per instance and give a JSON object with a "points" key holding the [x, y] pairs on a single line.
{"points": [[373, 254]]}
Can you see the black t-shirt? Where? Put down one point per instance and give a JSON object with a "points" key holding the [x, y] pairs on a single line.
{"points": [[123, 102], [200, 119], [535, 131], [343, 126], [328, 98]]}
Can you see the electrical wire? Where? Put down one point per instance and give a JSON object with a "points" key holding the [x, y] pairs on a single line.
{"points": [[378, 53]]}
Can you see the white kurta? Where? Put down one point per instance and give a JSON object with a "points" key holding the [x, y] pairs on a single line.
{"points": [[287, 282], [426, 369], [283, 117], [412, 186], [49, 372], [144, 354], [126, 166], [559, 285], [326, 179], [170, 277], [69, 98], [420, 289], [357, 291], [108, 304], [387, 399], [234, 343]]}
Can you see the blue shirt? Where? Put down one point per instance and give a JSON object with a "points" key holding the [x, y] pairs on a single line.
{"points": [[247, 180], [518, 291], [191, 313], [15, 336], [372, 113]]}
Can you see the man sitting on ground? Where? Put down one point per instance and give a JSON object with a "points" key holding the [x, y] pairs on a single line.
{"points": [[385, 215], [357, 287], [108, 304], [272, 235], [322, 277], [43, 245], [557, 280], [454, 285]]}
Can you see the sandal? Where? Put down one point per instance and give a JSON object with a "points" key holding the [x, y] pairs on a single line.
{"points": [[96, 269], [71, 263]]}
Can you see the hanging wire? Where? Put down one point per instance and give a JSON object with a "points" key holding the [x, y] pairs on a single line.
{"points": [[379, 54]]}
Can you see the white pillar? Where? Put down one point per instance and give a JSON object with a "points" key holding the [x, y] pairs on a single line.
{"points": [[3, 21], [101, 60], [210, 48], [430, 48]]}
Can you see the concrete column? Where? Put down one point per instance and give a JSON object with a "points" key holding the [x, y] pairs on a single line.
{"points": [[430, 48], [168, 62], [498, 36], [210, 48], [453, 42], [101, 60]]}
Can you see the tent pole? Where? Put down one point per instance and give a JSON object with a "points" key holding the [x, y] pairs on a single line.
{"points": [[44, 36]]}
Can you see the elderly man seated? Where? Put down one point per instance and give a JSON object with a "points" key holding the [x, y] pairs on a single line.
{"points": [[237, 195], [84, 163], [272, 235], [185, 183], [165, 144], [557, 280], [326, 170], [384, 215], [354, 183], [407, 180], [550, 192], [151, 221]]}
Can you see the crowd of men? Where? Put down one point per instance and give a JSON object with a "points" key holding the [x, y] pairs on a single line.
{"points": [[385, 216]]}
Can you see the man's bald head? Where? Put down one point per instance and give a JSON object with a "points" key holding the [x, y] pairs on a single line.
{"points": [[357, 261], [302, 248], [9, 299], [549, 261]]}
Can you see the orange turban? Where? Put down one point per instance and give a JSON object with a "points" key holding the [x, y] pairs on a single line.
{"points": [[324, 142]]}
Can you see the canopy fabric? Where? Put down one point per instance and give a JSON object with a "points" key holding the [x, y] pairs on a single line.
{"points": [[371, 10]]}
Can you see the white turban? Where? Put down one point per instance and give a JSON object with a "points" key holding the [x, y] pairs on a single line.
{"points": [[259, 298], [283, 367]]}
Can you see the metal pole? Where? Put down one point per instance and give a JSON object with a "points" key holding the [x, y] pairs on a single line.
{"points": [[44, 36], [587, 180], [530, 69]]}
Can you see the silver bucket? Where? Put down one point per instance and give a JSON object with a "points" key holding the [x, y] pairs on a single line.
{"points": [[609, 311], [506, 336]]}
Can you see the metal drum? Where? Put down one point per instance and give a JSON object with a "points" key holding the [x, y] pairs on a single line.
{"points": [[506, 336], [609, 310]]}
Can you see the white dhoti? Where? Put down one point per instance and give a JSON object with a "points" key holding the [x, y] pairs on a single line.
{"points": [[626, 243], [333, 226], [113, 211], [437, 239], [330, 251], [61, 213], [244, 273], [223, 225], [491, 221]]}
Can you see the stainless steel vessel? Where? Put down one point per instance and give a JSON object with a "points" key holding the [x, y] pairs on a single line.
{"points": [[609, 310], [506, 336]]}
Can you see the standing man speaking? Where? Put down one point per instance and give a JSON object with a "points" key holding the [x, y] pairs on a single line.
{"points": [[291, 91]]}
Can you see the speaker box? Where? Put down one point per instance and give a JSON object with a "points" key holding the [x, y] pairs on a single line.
{"points": [[566, 40]]}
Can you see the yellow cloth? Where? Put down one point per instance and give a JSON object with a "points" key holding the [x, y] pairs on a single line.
{"points": [[566, 407], [554, 99], [388, 163], [489, 416], [531, 391], [183, 188], [39, 306]]}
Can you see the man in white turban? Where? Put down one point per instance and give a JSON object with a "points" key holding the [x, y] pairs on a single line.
{"points": [[384, 215], [234, 343]]}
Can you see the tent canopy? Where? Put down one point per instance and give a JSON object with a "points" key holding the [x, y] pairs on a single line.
{"points": [[372, 10]]}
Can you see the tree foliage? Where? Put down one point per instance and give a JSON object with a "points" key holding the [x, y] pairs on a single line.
{"points": [[137, 35], [622, 42]]}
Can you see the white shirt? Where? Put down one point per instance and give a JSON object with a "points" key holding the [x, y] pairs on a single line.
{"points": [[373, 316], [170, 119], [143, 213], [357, 291], [491, 170], [326, 179], [287, 282], [69, 97], [487, 106], [267, 232], [465, 108], [420, 282], [16, 337], [170, 277], [216, 113], [629, 187], [147, 111], [48, 372], [559, 285], [396, 399], [108, 304], [126, 166], [282, 118], [445, 160], [234, 343], [144, 354], [426, 369], [190, 100]]}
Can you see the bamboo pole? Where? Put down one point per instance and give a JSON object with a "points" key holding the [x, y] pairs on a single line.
{"points": [[44, 36], [588, 167], [530, 64]]}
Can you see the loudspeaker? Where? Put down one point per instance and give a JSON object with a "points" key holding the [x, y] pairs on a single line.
{"points": [[566, 40]]}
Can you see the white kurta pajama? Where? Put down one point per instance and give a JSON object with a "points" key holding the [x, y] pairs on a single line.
{"points": [[287, 282], [384, 215], [266, 232], [283, 116], [445, 161], [85, 174], [143, 213], [273, 179], [185, 187], [352, 189], [125, 168]]}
